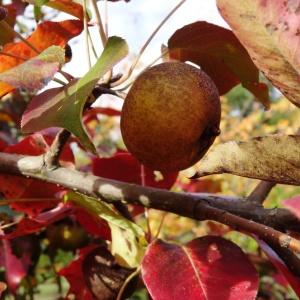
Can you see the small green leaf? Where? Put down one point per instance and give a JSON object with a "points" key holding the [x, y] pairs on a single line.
{"points": [[35, 73], [62, 107], [128, 239]]}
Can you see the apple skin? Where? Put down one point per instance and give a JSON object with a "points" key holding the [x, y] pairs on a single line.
{"points": [[171, 116]]}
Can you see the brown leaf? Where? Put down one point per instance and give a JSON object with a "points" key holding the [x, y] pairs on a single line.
{"points": [[272, 158], [103, 275]]}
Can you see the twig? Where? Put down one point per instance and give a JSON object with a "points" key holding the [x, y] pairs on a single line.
{"points": [[126, 282], [148, 66], [52, 155], [111, 191], [86, 34], [144, 47], [103, 32], [261, 191], [92, 45], [8, 225], [99, 23], [59, 81], [160, 225], [101, 89], [68, 76]]}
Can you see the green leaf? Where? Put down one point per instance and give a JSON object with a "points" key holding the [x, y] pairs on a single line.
{"points": [[128, 239], [35, 73], [62, 107], [271, 158], [269, 30]]}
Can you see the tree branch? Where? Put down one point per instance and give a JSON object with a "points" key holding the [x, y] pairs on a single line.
{"points": [[261, 191], [278, 218], [196, 206]]}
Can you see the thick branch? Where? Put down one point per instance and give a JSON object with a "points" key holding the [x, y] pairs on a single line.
{"points": [[196, 206], [278, 218]]}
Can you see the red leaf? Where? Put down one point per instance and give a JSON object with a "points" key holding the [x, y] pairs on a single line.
{"points": [[13, 187], [37, 144], [124, 167], [3, 145], [206, 268], [34, 144], [31, 225], [74, 275], [47, 34], [220, 54], [280, 265], [280, 279], [15, 271], [33, 208], [92, 113], [293, 205]]}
